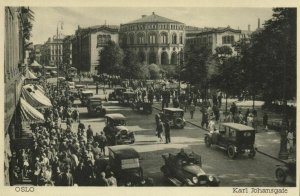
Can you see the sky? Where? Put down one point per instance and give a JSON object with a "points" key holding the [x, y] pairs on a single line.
{"points": [[48, 18]]}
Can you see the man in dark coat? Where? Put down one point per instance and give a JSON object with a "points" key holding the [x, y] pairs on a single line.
{"points": [[167, 132]]}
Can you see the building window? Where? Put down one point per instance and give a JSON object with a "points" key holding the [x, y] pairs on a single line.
{"points": [[174, 39], [152, 38], [131, 39], [103, 39], [164, 38], [141, 38], [181, 39], [229, 39]]}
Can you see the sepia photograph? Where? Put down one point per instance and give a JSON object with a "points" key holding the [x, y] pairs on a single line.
{"points": [[150, 97]]}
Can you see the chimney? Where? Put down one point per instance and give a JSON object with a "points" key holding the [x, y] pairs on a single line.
{"points": [[153, 13], [143, 16], [248, 27], [258, 23]]}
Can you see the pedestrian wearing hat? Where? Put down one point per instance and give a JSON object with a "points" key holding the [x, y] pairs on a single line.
{"points": [[112, 181], [167, 132], [192, 110]]}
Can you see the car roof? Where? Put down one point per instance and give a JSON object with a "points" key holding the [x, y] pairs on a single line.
{"points": [[129, 92], [87, 92], [238, 127], [115, 116], [174, 109], [117, 88], [124, 152]]}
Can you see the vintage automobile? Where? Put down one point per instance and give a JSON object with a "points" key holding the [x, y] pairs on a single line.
{"points": [[124, 161], [288, 169], [184, 169], [115, 130], [144, 107], [85, 95], [127, 98], [234, 138], [174, 116], [116, 94], [95, 107]]}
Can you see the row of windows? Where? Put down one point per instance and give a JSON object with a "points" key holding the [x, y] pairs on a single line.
{"points": [[152, 39], [153, 26], [55, 52], [103, 39], [200, 40], [229, 39], [54, 47], [55, 58]]}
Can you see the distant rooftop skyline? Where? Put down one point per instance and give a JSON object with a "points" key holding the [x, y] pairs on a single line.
{"points": [[48, 18]]}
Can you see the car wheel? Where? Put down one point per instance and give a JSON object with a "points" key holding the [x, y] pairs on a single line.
{"points": [[280, 175], [230, 152], [207, 141], [252, 153], [179, 123]]}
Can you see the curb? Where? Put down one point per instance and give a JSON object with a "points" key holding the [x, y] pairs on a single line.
{"points": [[263, 153]]}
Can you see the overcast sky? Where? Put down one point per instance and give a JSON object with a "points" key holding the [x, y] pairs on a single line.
{"points": [[47, 18]]}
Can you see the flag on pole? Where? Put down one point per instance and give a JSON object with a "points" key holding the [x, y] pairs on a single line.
{"points": [[62, 26]]}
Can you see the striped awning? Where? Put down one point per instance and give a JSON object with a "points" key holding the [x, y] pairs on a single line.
{"points": [[29, 113]]}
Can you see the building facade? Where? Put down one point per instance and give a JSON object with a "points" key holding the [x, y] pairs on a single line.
{"points": [[54, 50], [155, 39], [13, 62], [88, 42], [37, 50], [217, 37], [67, 51]]}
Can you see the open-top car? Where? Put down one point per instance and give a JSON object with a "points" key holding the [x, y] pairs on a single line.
{"points": [[184, 169], [115, 130], [234, 138], [124, 161], [174, 116], [95, 107], [116, 94]]}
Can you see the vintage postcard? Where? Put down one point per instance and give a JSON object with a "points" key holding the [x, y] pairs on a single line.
{"points": [[146, 97]]}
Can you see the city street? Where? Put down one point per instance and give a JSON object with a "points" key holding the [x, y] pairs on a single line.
{"points": [[242, 171]]}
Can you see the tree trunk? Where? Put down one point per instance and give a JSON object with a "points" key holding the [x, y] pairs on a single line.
{"points": [[253, 99], [226, 104]]}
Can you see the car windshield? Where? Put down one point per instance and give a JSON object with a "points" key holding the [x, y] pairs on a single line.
{"points": [[119, 122]]}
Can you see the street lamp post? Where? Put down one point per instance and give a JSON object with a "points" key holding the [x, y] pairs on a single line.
{"points": [[58, 55]]}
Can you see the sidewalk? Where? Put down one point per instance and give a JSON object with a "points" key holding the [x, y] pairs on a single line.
{"points": [[265, 141]]}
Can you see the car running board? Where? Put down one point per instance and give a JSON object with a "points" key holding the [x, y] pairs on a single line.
{"points": [[175, 181]]}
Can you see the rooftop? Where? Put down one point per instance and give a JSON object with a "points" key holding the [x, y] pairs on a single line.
{"points": [[153, 18]]}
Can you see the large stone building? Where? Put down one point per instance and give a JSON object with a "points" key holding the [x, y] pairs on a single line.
{"points": [[53, 50], [87, 44], [67, 50], [155, 39], [216, 37], [14, 54]]}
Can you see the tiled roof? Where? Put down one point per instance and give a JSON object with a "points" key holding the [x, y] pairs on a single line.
{"points": [[153, 18]]}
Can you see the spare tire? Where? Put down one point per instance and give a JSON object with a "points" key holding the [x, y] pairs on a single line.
{"points": [[179, 123]]}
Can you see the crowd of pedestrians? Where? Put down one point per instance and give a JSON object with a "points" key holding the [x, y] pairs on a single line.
{"points": [[62, 157]]}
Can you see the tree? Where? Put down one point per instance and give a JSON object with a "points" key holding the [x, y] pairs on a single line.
{"points": [[194, 69], [271, 57], [130, 62], [27, 17], [229, 77], [154, 71], [111, 59]]}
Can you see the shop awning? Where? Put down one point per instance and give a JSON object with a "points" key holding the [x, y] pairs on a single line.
{"points": [[35, 97], [36, 65], [29, 113], [30, 75]]}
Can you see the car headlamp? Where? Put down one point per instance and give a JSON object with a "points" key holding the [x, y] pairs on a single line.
{"points": [[211, 178], [195, 180]]}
